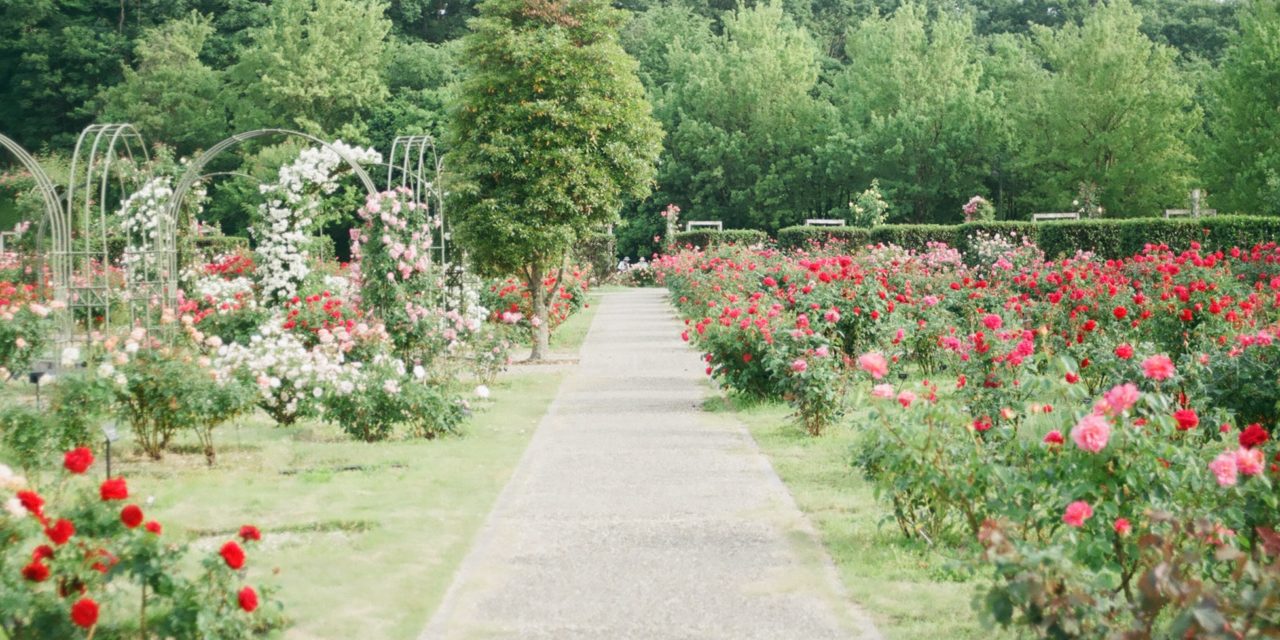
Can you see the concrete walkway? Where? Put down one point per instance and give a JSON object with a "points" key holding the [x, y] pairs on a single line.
{"points": [[634, 514]]}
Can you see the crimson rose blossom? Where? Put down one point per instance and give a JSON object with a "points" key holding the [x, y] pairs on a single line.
{"points": [[1077, 512], [1187, 419], [153, 527], [78, 460], [1124, 351], [60, 532], [249, 532], [84, 613], [32, 502], [1253, 435], [114, 489], [131, 516], [248, 599], [233, 555], [37, 571], [1053, 437]]}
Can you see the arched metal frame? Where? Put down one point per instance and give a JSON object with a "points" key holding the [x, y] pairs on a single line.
{"points": [[81, 250], [52, 203], [420, 167], [194, 173]]}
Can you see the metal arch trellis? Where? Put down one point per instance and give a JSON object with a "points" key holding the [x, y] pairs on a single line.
{"points": [[48, 193], [81, 245], [194, 174], [416, 164]]}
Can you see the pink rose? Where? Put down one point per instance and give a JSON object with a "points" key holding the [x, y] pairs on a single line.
{"points": [[1158, 367], [1091, 433], [1077, 512], [905, 398], [874, 364], [1119, 399], [1249, 462], [832, 316], [1123, 527], [992, 321], [1224, 469], [799, 365], [883, 391]]}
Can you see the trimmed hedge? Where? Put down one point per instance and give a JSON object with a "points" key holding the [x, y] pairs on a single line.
{"points": [[1109, 238], [704, 238]]}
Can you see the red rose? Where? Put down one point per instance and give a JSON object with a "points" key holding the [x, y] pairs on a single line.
{"points": [[1124, 351], [131, 516], [32, 502], [154, 527], [248, 599], [1053, 437], [85, 613], [249, 532], [36, 571], [1120, 313], [106, 561], [233, 555], [1187, 419], [41, 552], [60, 532], [114, 489], [78, 460], [1072, 378], [1253, 435]]}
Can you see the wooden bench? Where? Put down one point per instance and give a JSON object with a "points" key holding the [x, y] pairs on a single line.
{"points": [[823, 222], [1041, 217], [704, 224]]}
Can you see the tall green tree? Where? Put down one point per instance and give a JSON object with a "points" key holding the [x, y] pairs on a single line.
{"points": [[914, 114], [316, 65], [170, 94], [1244, 160], [551, 133], [1101, 104], [745, 124]]}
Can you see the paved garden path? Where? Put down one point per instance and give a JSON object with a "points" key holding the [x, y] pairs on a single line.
{"points": [[635, 514]]}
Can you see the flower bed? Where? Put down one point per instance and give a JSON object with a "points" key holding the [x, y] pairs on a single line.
{"points": [[1097, 433]]}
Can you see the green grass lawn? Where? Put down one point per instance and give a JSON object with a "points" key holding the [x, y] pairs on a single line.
{"points": [[909, 589], [365, 537]]}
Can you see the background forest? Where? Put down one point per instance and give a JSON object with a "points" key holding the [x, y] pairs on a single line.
{"points": [[774, 111]]}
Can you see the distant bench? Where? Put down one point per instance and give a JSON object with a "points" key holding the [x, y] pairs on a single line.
{"points": [[704, 224], [1189, 213], [823, 222], [1041, 217]]}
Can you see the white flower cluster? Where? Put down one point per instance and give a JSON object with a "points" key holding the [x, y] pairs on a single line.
{"points": [[285, 370], [10, 484], [286, 218], [225, 295], [141, 217]]}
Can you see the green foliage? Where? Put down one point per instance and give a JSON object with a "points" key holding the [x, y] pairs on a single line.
{"points": [[914, 112], [551, 132], [29, 433], [1245, 119], [599, 251], [744, 122], [315, 65], [170, 94], [1108, 238], [704, 239], [1101, 103]]}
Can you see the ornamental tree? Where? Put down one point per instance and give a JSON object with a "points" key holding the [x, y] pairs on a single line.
{"points": [[551, 132]]}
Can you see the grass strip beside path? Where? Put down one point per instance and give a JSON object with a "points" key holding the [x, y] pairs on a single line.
{"points": [[908, 588]]}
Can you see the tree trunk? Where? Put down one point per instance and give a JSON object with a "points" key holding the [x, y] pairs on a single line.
{"points": [[542, 328]]}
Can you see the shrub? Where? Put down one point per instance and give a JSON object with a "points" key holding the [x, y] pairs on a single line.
{"points": [[64, 557], [706, 238], [369, 403]]}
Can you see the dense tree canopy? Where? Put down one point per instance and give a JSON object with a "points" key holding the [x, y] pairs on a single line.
{"points": [[551, 133], [775, 110]]}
